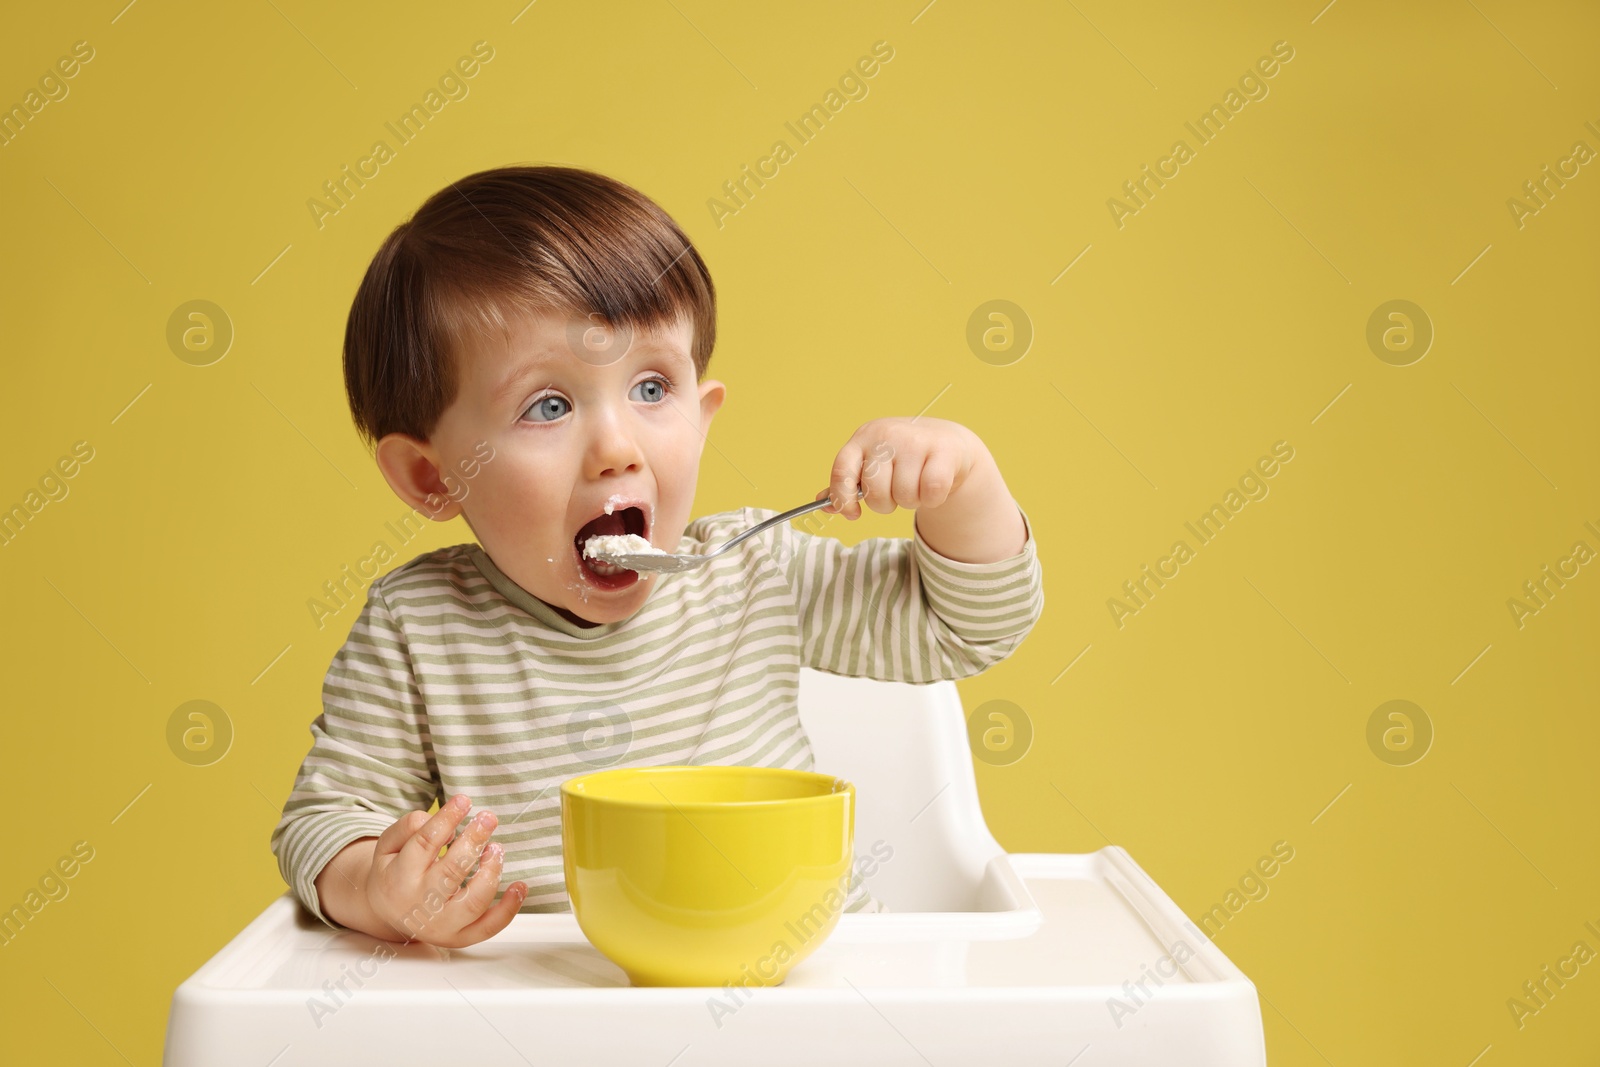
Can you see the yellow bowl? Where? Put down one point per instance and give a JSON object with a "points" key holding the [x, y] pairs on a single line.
{"points": [[704, 875]]}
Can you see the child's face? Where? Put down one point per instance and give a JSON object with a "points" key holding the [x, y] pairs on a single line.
{"points": [[577, 417]]}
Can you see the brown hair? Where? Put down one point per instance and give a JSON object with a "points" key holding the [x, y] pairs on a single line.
{"points": [[506, 241]]}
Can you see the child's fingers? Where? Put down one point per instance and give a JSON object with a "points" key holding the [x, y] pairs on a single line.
{"points": [[877, 479], [937, 480], [471, 915], [471, 899], [446, 875], [905, 477], [497, 918], [843, 479], [421, 849], [394, 838]]}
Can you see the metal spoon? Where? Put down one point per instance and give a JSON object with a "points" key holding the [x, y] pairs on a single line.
{"points": [[670, 562]]}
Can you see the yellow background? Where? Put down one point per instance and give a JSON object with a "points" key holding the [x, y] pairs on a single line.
{"points": [[1225, 316]]}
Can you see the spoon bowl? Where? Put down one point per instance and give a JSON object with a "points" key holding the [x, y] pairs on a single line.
{"points": [[671, 562]]}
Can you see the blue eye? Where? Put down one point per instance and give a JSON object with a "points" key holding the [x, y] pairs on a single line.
{"points": [[660, 392], [549, 408]]}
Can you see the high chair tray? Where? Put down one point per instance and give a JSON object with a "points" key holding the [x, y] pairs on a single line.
{"points": [[1091, 959]]}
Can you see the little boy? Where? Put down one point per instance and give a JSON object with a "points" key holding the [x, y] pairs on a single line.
{"points": [[529, 351]]}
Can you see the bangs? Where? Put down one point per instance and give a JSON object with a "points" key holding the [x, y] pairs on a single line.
{"points": [[496, 247]]}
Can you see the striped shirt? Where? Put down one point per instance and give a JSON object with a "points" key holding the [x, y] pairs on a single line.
{"points": [[454, 679]]}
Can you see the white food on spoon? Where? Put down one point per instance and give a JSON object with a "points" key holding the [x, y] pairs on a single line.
{"points": [[619, 545]]}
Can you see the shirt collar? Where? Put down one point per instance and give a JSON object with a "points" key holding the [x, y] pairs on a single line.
{"points": [[533, 605]]}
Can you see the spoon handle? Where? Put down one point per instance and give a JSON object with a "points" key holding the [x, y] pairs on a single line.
{"points": [[766, 524]]}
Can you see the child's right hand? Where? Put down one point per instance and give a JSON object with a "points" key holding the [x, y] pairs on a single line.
{"points": [[419, 893]]}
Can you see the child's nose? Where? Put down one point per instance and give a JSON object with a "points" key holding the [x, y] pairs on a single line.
{"points": [[614, 448]]}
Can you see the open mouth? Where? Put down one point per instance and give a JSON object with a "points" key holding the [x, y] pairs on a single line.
{"points": [[626, 520]]}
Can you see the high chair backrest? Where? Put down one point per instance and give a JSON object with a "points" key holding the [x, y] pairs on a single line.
{"points": [[905, 748]]}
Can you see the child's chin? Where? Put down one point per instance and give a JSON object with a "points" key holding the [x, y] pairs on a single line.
{"points": [[612, 605]]}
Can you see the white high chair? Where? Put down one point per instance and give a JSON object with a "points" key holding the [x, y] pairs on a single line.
{"points": [[985, 957]]}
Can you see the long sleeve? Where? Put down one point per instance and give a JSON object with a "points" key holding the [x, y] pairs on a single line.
{"points": [[371, 758], [896, 610]]}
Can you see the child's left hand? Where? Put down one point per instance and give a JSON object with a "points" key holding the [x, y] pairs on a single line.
{"points": [[945, 473], [909, 463]]}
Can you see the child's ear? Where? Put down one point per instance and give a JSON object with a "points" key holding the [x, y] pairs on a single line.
{"points": [[411, 467], [712, 394]]}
